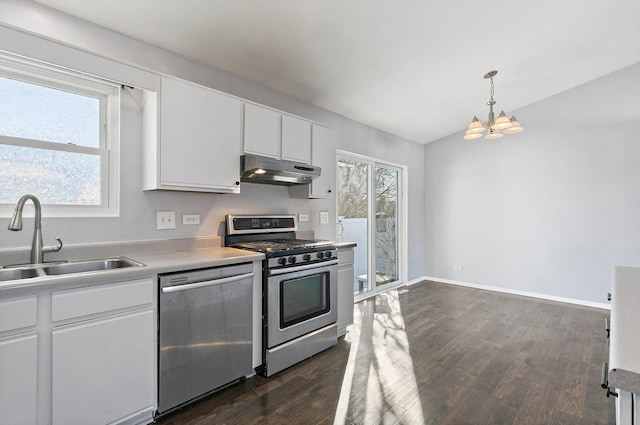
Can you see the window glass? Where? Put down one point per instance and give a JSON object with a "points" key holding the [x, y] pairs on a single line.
{"points": [[32, 111], [55, 177], [59, 134]]}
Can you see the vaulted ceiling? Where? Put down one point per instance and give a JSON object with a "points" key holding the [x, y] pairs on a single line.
{"points": [[413, 68]]}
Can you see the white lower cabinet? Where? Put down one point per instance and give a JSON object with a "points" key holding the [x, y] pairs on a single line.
{"points": [[18, 360], [19, 379], [102, 369], [103, 361], [345, 289], [81, 356]]}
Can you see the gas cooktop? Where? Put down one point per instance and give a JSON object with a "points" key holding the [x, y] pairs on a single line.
{"points": [[282, 245]]}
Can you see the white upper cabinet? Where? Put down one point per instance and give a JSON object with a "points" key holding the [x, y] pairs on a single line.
{"points": [[296, 139], [280, 136], [323, 156], [262, 128], [198, 142]]}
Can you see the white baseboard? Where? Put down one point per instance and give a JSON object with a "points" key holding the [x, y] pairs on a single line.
{"points": [[604, 306], [416, 280]]}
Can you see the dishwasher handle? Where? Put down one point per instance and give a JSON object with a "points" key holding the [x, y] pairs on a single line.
{"points": [[204, 284]]}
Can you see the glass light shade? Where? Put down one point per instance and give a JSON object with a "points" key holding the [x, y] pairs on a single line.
{"points": [[493, 134], [475, 126], [472, 136], [502, 122], [515, 126]]}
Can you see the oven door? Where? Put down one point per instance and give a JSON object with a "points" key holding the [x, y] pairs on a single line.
{"points": [[300, 300]]}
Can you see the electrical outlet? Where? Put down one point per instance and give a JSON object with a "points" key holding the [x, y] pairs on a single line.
{"points": [[190, 219], [303, 217], [165, 220], [324, 217], [458, 267]]}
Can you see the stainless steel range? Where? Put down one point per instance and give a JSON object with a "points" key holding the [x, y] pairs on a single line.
{"points": [[299, 288]]}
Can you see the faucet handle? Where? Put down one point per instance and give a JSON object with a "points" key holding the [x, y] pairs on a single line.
{"points": [[53, 248]]}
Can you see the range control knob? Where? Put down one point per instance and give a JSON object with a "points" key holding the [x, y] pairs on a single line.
{"points": [[320, 255], [328, 254], [292, 260], [306, 257], [282, 261]]}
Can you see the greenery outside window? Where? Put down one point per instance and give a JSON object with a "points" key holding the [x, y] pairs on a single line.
{"points": [[59, 140]]}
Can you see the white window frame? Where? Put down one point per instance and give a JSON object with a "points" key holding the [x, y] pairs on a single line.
{"points": [[403, 220], [108, 94]]}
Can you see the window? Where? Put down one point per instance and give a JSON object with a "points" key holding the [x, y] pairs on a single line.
{"points": [[59, 134]]}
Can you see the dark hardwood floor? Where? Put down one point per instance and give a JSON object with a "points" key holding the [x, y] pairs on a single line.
{"points": [[435, 354]]}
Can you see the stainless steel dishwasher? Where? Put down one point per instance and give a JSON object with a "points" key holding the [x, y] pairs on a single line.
{"points": [[205, 331]]}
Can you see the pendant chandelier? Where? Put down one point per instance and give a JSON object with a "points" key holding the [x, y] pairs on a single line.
{"points": [[496, 128]]}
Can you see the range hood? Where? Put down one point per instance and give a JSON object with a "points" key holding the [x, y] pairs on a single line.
{"points": [[258, 169]]}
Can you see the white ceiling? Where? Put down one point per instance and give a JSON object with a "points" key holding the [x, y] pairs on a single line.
{"points": [[413, 68]]}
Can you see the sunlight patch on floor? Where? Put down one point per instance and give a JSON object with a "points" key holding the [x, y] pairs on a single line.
{"points": [[379, 379]]}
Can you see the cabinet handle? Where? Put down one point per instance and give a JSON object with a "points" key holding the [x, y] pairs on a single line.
{"points": [[609, 296], [329, 191], [237, 183], [607, 327]]}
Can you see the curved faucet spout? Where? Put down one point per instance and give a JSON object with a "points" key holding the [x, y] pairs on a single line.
{"points": [[15, 224], [16, 221]]}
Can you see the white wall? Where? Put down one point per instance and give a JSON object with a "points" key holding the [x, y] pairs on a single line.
{"points": [[550, 210], [137, 218]]}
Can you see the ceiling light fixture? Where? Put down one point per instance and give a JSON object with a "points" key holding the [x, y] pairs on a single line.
{"points": [[496, 127]]}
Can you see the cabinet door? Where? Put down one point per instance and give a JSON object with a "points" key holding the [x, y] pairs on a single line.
{"points": [[19, 379], [103, 370], [296, 139], [323, 155], [200, 138], [345, 289], [261, 131]]}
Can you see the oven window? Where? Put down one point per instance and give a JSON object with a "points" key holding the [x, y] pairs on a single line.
{"points": [[303, 298]]}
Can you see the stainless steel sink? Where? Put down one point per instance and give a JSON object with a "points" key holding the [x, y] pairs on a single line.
{"points": [[71, 267], [90, 266], [19, 273]]}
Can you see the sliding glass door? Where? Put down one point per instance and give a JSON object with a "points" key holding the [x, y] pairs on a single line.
{"points": [[369, 205]]}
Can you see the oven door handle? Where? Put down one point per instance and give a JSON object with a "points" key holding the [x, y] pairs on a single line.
{"points": [[304, 267], [211, 282]]}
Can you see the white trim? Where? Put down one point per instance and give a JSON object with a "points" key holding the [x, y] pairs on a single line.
{"points": [[340, 152], [604, 306], [403, 215], [385, 288], [417, 280]]}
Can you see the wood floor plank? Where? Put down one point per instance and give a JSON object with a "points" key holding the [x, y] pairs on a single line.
{"points": [[435, 354]]}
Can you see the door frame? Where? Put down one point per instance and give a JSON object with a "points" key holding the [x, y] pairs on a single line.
{"points": [[403, 216]]}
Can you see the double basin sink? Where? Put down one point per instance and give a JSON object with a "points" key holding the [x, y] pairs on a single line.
{"points": [[65, 268]]}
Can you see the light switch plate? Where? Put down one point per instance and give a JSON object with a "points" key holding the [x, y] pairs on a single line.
{"points": [[303, 217], [324, 217], [165, 220]]}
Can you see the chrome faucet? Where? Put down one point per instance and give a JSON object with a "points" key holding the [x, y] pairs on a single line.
{"points": [[37, 250]]}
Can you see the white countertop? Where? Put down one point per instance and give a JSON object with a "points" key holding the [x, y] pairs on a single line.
{"points": [[164, 262], [624, 349]]}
